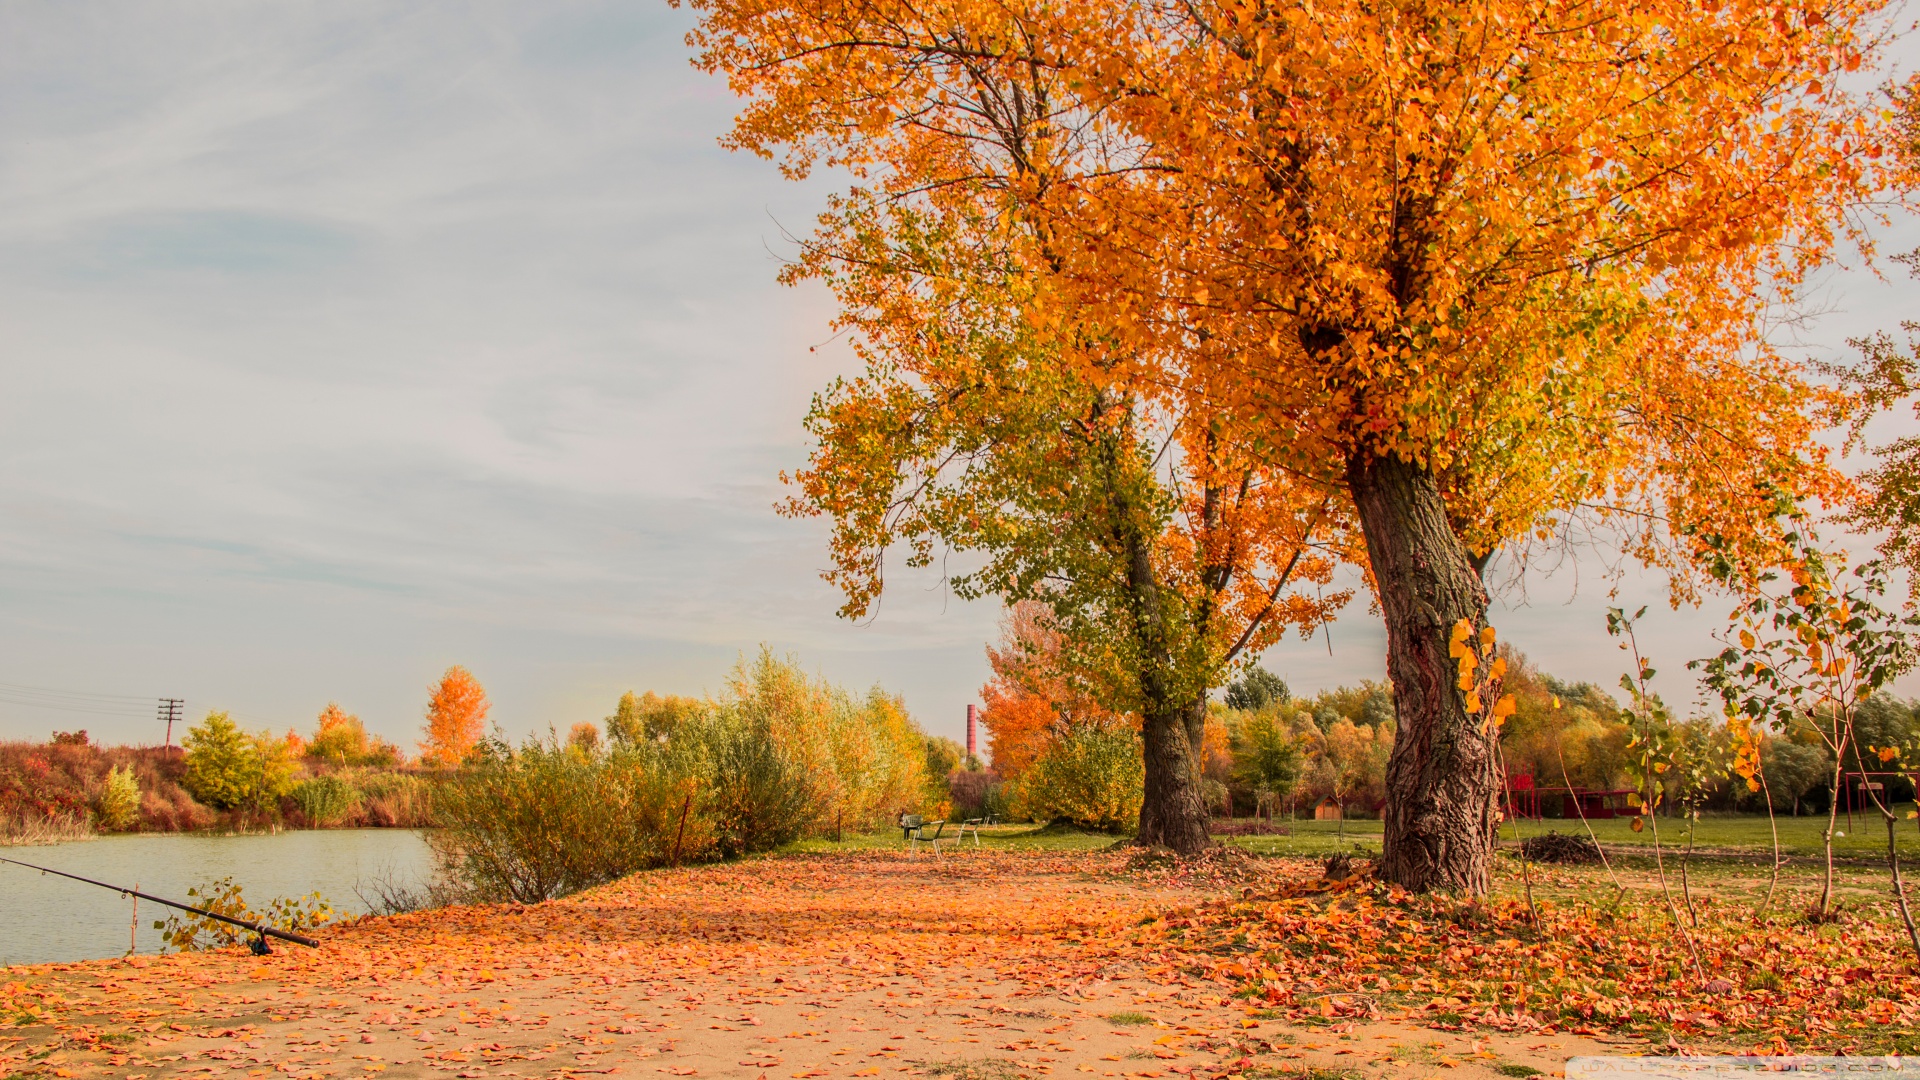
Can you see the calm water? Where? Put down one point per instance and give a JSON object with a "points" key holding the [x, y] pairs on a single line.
{"points": [[46, 918]]}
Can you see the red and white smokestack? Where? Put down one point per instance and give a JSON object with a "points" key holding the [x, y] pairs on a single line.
{"points": [[973, 742]]}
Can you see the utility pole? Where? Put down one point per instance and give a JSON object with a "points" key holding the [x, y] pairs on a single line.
{"points": [[170, 711]]}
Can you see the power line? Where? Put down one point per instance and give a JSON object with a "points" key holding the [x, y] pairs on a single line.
{"points": [[74, 701], [89, 694], [112, 706]]}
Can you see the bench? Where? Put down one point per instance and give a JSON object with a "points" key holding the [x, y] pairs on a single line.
{"points": [[914, 830], [972, 825]]}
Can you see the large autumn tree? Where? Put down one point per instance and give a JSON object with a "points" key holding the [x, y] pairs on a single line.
{"points": [[1163, 545], [1477, 269]]}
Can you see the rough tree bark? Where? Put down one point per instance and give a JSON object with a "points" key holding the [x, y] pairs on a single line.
{"points": [[1442, 776], [1173, 812]]}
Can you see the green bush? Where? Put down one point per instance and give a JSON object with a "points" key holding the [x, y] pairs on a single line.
{"points": [[545, 819], [229, 769], [118, 805], [1093, 776], [325, 800], [187, 932], [758, 796], [779, 756]]}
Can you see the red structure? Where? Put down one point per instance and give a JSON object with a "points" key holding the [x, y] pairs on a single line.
{"points": [[973, 745], [1857, 789], [1526, 800]]}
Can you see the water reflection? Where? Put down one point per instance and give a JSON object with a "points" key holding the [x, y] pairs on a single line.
{"points": [[46, 918]]}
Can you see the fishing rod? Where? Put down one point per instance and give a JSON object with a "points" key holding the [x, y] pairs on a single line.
{"points": [[259, 945]]}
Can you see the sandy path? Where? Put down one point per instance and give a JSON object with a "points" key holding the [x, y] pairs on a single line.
{"points": [[982, 966]]}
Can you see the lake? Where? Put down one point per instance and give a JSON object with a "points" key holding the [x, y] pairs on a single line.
{"points": [[46, 918]]}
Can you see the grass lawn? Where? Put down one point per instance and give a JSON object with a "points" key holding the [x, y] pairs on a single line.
{"points": [[1744, 834], [1021, 837], [1799, 836]]}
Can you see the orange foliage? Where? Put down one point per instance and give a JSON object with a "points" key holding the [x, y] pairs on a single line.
{"points": [[333, 716], [1248, 949], [456, 718], [1029, 700]]}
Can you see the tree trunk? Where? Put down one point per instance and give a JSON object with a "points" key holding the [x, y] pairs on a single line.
{"points": [[1173, 814], [1442, 779]]}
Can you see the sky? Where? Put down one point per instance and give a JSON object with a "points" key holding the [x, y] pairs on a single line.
{"points": [[348, 341]]}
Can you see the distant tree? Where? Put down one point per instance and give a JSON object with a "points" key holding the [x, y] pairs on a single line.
{"points": [[1256, 690], [584, 737], [222, 764], [339, 738], [1792, 770], [1265, 756], [456, 718], [943, 756], [1035, 697], [624, 727], [650, 717], [229, 769]]}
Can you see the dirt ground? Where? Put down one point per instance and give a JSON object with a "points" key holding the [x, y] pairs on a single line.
{"points": [[980, 966]]}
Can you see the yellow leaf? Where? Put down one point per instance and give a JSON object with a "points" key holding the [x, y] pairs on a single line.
{"points": [[1746, 640], [1473, 701], [1638, 824], [1486, 638]]}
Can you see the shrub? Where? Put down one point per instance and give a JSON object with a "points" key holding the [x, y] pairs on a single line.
{"points": [[974, 793], [1092, 776], [229, 769], [546, 819], [118, 805], [341, 740], [393, 800], [187, 932], [46, 783], [325, 800], [650, 717], [759, 796]]}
